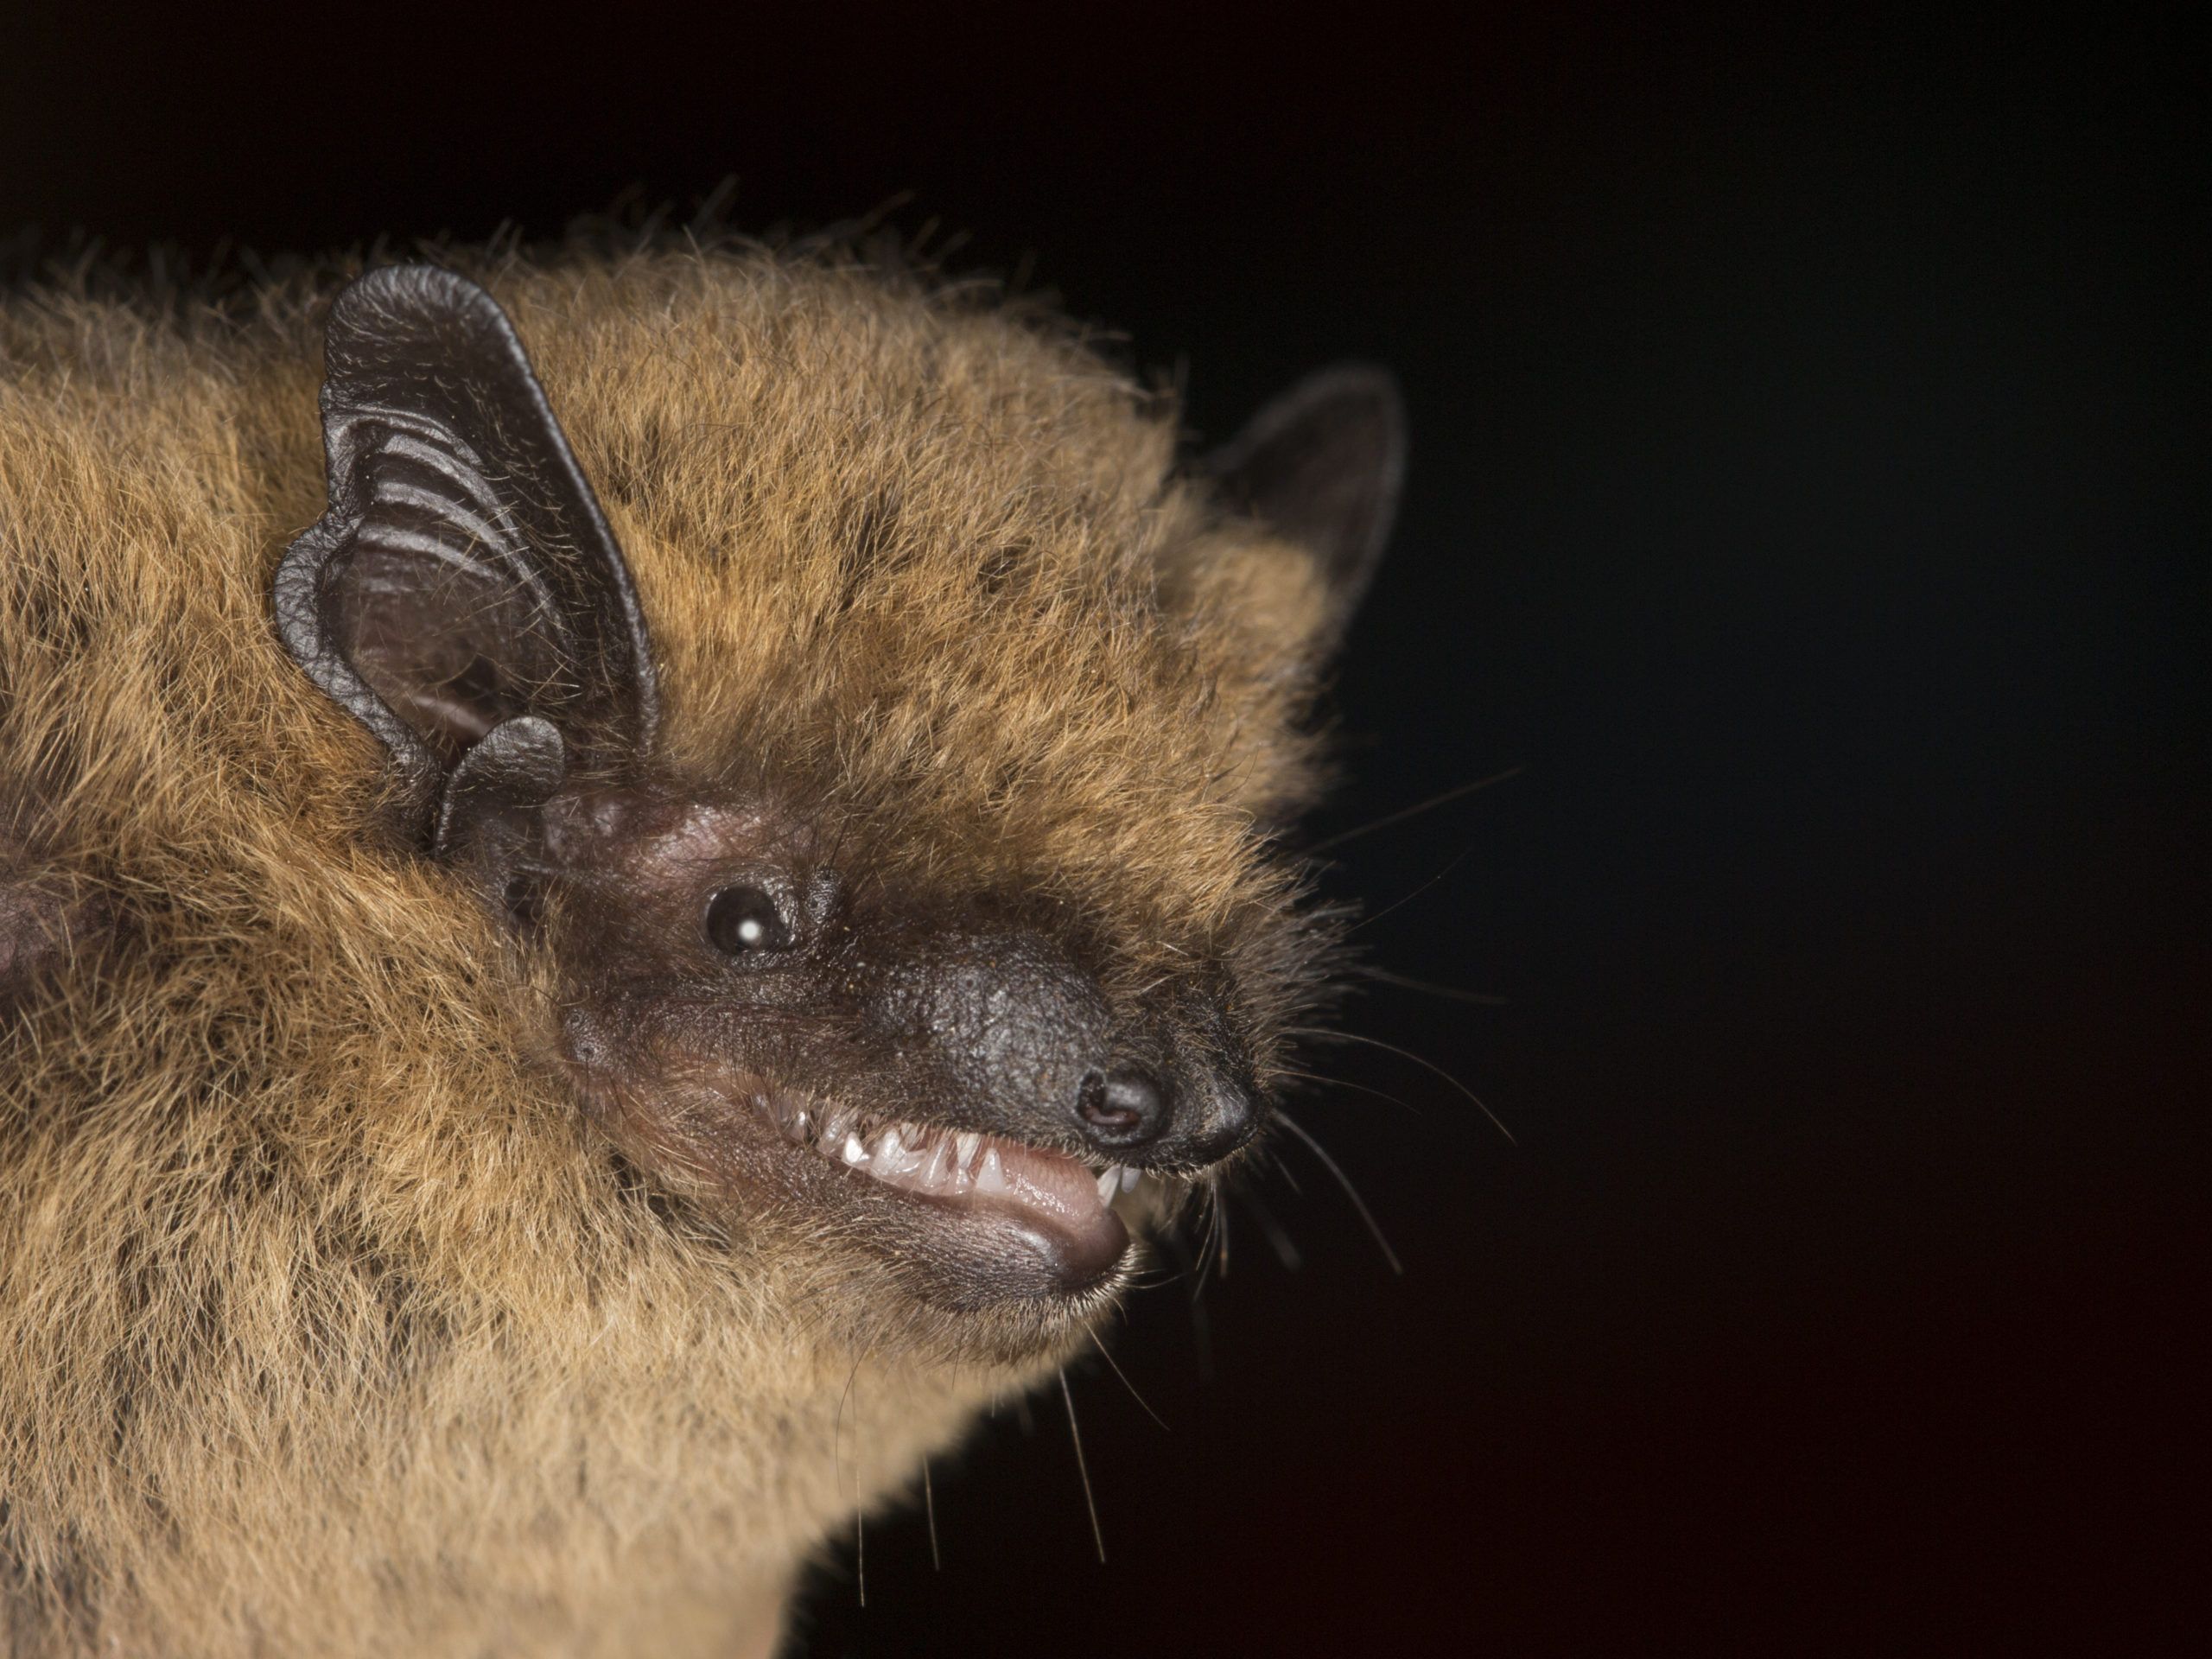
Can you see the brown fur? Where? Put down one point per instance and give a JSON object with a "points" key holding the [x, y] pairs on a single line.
{"points": [[326, 1323]]}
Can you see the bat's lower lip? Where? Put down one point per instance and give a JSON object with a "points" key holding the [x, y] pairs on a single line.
{"points": [[970, 1224], [1005, 1199]]}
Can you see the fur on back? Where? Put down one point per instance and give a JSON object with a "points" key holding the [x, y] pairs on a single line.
{"points": [[325, 1323]]}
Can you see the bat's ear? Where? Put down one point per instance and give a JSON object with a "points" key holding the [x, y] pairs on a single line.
{"points": [[462, 596], [1321, 466]]}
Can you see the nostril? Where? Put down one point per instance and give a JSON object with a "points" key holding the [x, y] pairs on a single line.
{"points": [[1122, 1108]]}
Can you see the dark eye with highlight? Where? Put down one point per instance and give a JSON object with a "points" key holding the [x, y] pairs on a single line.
{"points": [[742, 921]]}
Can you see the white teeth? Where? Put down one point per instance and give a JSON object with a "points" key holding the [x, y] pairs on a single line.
{"points": [[894, 1156], [948, 1163], [1131, 1177]]}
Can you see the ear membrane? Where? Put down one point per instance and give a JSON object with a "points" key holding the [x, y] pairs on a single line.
{"points": [[463, 576], [1322, 465]]}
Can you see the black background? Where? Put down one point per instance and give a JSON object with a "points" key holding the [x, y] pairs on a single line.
{"points": [[1808, 496]]}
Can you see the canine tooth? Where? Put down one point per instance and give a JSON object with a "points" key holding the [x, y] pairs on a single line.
{"points": [[855, 1153], [1110, 1180], [1130, 1176], [966, 1140], [990, 1178]]}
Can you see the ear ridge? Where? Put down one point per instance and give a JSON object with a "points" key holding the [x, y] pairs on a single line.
{"points": [[1323, 465], [463, 574]]}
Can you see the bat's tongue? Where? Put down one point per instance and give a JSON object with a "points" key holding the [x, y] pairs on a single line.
{"points": [[1046, 1183], [1044, 1188]]}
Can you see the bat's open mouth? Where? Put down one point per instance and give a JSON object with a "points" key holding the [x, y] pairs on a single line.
{"points": [[982, 1181], [970, 1222]]}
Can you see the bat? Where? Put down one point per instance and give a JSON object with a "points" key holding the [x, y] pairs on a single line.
{"points": [[631, 881]]}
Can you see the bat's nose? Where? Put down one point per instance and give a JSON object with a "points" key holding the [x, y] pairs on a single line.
{"points": [[1023, 1036]]}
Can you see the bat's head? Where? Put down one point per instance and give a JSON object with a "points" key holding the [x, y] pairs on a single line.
{"points": [[897, 850]]}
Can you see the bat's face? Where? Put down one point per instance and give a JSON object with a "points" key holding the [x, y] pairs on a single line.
{"points": [[948, 1081], [963, 954]]}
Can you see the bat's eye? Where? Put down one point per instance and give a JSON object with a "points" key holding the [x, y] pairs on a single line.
{"points": [[743, 920]]}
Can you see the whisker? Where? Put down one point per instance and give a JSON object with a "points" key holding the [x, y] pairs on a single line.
{"points": [[836, 1476], [1201, 1337], [1407, 1054], [929, 1507], [1450, 993], [1414, 810], [1457, 858], [1286, 1252], [1097, 1533], [1351, 1191], [1126, 1384], [1154, 1279], [1347, 1083], [837, 1428], [1206, 1252]]}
